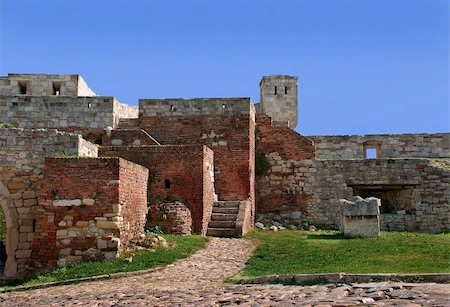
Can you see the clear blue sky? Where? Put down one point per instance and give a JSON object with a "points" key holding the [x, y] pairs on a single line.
{"points": [[364, 66]]}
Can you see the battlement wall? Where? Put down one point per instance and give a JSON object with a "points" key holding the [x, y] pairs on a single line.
{"points": [[195, 106], [387, 146], [63, 111], [44, 85]]}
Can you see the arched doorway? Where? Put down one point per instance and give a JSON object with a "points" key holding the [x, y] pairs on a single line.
{"points": [[12, 232]]}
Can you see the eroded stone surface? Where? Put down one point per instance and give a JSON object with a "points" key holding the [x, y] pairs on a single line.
{"points": [[197, 281]]}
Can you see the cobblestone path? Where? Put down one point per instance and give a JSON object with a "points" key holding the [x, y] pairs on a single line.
{"points": [[197, 281]]}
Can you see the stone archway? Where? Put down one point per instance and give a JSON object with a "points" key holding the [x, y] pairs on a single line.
{"points": [[12, 232]]}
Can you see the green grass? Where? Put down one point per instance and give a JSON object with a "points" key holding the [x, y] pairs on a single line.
{"points": [[180, 247], [305, 252]]}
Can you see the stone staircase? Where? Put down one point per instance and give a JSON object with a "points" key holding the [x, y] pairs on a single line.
{"points": [[223, 219], [128, 123]]}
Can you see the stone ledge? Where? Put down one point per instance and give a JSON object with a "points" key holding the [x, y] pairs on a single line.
{"points": [[344, 278]]}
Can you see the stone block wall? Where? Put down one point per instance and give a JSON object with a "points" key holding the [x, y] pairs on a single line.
{"points": [[314, 187], [389, 146], [279, 99], [22, 154], [64, 112], [195, 106], [89, 208], [180, 173], [44, 85]]}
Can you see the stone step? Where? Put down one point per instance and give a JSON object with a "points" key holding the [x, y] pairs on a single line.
{"points": [[225, 210], [222, 224], [223, 217], [222, 232], [229, 204], [127, 123]]}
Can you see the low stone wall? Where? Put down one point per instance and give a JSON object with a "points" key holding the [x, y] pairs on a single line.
{"points": [[314, 187], [389, 145], [172, 218], [88, 209]]}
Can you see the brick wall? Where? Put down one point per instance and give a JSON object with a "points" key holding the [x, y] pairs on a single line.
{"points": [[280, 144], [282, 140], [229, 138], [88, 208], [175, 173], [133, 183]]}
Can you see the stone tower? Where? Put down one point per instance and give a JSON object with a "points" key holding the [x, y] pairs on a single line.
{"points": [[279, 99]]}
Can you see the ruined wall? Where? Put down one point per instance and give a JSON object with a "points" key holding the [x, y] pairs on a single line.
{"points": [[281, 144], [88, 209], [316, 187], [228, 135], [390, 145], [22, 154], [44, 85], [176, 173]]}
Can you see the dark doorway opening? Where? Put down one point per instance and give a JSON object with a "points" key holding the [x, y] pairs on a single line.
{"points": [[393, 197]]}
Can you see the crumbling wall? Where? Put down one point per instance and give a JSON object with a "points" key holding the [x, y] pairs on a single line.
{"points": [[314, 187], [227, 131], [88, 209], [176, 173], [389, 146], [22, 154], [281, 190]]}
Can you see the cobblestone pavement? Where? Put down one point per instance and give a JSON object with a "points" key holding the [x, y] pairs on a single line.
{"points": [[197, 281]]}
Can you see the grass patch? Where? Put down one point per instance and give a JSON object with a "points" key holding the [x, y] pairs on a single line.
{"points": [[179, 247], [305, 252]]}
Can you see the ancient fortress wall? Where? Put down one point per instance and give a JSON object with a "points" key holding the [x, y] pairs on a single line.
{"points": [[228, 131], [195, 106], [22, 155], [44, 85], [415, 193], [387, 146], [88, 208], [63, 111], [177, 173]]}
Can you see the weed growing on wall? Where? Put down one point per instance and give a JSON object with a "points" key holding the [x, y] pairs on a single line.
{"points": [[262, 164]]}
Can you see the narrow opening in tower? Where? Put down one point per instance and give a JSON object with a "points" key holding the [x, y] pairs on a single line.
{"points": [[56, 88], [22, 87], [275, 91], [172, 108], [285, 89], [167, 184]]}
